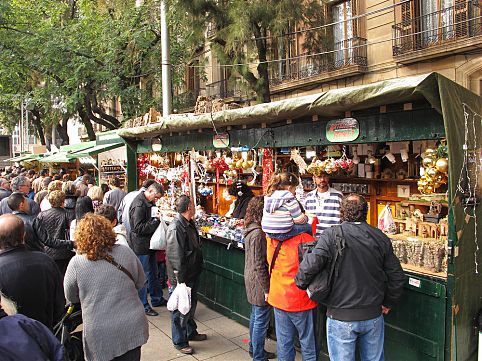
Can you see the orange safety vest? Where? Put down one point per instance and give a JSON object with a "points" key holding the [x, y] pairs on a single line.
{"points": [[283, 293]]}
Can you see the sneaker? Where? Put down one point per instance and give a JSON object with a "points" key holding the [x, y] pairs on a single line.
{"points": [[151, 312], [269, 355], [198, 337], [188, 350], [162, 302]]}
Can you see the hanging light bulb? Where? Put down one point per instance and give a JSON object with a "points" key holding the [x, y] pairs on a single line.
{"points": [[178, 157]]}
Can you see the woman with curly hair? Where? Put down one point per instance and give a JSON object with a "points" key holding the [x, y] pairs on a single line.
{"points": [[256, 279], [104, 278]]}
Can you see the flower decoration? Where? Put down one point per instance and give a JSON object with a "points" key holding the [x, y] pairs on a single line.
{"points": [[329, 166]]}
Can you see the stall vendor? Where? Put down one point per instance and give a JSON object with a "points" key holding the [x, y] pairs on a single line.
{"points": [[323, 202], [243, 195]]}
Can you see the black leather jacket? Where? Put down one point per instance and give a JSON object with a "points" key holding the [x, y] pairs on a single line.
{"points": [[369, 274], [51, 226], [183, 253], [142, 224]]}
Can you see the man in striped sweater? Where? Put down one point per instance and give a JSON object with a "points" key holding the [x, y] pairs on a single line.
{"points": [[324, 203]]}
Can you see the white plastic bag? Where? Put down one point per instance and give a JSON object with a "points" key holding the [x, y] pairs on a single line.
{"points": [[386, 222], [180, 299], [158, 240]]}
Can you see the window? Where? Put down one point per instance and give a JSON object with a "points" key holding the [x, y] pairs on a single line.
{"points": [[344, 31], [438, 19]]}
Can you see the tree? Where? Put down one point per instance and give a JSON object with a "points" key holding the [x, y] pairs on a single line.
{"points": [[74, 57], [246, 30]]}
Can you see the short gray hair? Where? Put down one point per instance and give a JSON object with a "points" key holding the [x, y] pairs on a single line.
{"points": [[19, 181]]}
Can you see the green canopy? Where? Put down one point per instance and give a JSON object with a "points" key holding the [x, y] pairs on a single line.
{"points": [[87, 152], [25, 157], [60, 157]]}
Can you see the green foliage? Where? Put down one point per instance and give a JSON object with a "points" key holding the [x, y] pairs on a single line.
{"points": [[247, 31], [82, 54]]}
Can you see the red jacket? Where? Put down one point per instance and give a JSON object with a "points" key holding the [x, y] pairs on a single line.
{"points": [[283, 293]]}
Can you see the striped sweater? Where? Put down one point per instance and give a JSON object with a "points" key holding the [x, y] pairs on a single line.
{"points": [[281, 211], [326, 207]]}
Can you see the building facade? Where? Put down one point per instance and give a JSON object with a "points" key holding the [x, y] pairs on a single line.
{"points": [[362, 41]]}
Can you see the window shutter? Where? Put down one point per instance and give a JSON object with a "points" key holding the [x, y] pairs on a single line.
{"points": [[461, 17]]}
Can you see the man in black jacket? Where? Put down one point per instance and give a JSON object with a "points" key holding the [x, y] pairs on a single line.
{"points": [[31, 279], [34, 240], [368, 283], [184, 265], [143, 225]]}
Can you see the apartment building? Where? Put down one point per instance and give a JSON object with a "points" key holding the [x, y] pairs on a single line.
{"points": [[362, 41]]}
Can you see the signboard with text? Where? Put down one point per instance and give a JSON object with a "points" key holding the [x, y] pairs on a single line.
{"points": [[221, 140], [342, 130]]}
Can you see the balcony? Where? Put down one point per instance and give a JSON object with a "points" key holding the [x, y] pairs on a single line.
{"points": [[451, 30], [348, 57], [229, 90], [185, 102]]}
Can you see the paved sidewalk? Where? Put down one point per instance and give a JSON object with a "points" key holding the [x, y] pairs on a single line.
{"points": [[227, 339]]}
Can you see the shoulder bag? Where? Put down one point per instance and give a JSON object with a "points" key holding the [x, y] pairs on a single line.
{"points": [[120, 267], [320, 286]]}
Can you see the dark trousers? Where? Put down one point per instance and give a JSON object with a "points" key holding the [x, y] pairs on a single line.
{"points": [[132, 355], [184, 327]]}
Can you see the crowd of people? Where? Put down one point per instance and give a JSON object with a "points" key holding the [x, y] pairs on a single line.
{"points": [[65, 240]]}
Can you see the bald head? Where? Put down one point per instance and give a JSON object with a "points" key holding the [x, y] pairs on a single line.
{"points": [[12, 231]]}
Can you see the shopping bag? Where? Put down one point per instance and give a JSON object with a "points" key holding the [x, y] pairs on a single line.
{"points": [[158, 240], [386, 223], [180, 299]]}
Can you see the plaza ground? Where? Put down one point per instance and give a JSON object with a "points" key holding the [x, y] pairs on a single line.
{"points": [[227, 339]]}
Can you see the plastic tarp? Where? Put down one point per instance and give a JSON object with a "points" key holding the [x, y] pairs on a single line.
{"points": [[330, 103]]}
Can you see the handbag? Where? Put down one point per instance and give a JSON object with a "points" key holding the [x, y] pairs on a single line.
{"points": [[158, 240], [320, 286], [120, 267]]}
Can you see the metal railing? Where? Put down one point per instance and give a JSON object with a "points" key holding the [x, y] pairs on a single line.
{"points": [[232, 88], [460, 21], [186, 100], [344, 53]]}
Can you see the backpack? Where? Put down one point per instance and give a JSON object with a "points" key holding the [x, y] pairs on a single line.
{"points": [[320, 286]]}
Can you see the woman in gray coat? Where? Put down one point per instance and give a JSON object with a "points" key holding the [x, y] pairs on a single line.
{"points": [[256, 279], [105, 278]]}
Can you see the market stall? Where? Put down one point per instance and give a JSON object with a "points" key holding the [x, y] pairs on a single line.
{"points": [[63, 159], [107, 155], [409, 145]]}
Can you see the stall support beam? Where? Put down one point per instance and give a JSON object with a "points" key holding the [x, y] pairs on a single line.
{"points": [[131, 153]]}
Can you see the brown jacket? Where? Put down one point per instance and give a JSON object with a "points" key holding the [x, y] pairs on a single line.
{"points": [[256, 278]]}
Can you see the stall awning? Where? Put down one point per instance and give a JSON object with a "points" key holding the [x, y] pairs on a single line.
{"points": [[60, 157], [88, 152], [25, 157], [64, 155]]}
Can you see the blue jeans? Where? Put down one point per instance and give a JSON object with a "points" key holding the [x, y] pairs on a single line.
{"points": [[342, 337], [149, 265], [296, 230], [183, 327], [258, 326], [287, 325]]}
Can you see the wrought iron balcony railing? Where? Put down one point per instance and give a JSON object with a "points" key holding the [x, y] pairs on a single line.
{"points": [[226, 89], [344, 53], [185, 101], [460, 21]]}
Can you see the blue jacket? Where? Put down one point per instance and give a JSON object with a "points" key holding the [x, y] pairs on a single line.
{"points": [[22, 338]]}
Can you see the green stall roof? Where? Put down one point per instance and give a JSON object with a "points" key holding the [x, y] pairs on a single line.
{"points": [[94, 150], [60, 157]]}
